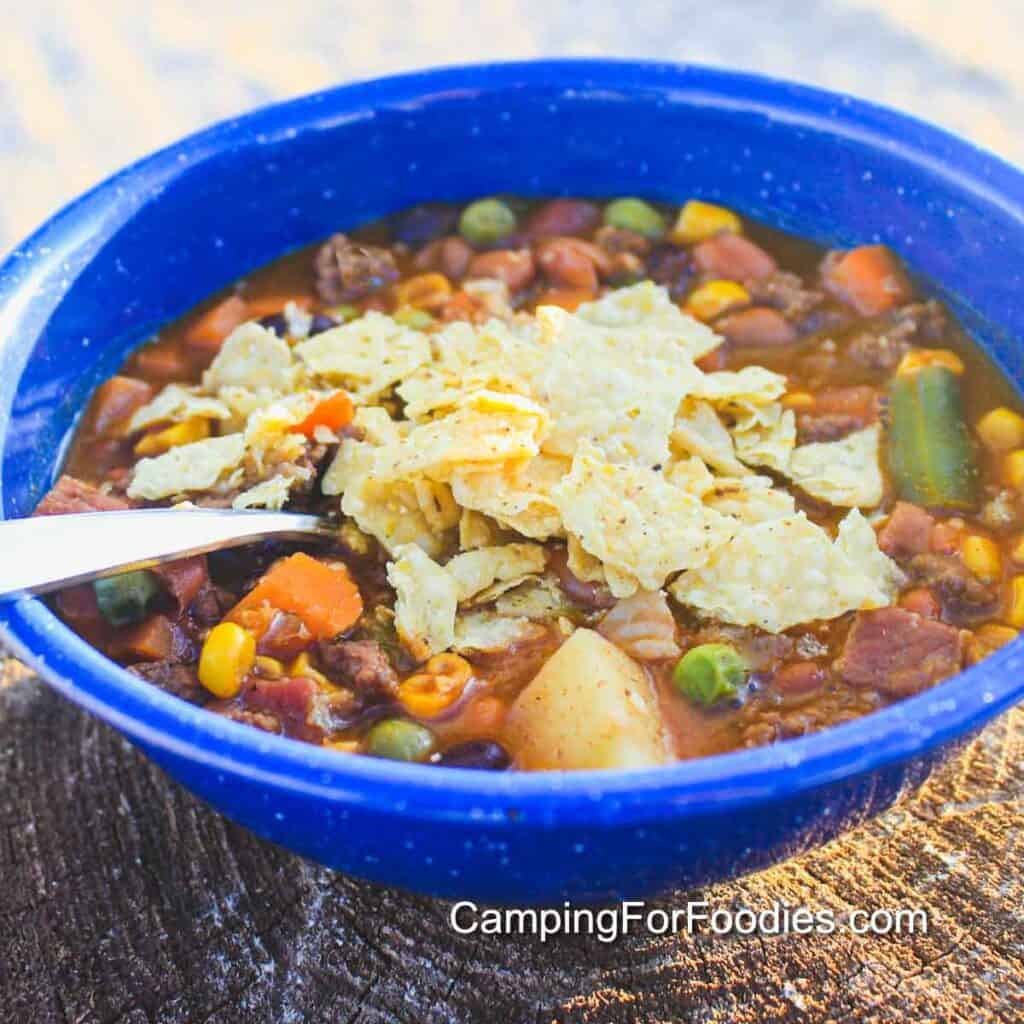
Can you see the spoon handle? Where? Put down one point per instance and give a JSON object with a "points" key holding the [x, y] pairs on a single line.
{"points": [[45, 553]]}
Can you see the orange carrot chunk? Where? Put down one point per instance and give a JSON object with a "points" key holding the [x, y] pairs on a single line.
{"points": [[869, 278], [324, 596], [333, 412], [210, 330]]}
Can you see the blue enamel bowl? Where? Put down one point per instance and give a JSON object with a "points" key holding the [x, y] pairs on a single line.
{"points": [[150, 242]]}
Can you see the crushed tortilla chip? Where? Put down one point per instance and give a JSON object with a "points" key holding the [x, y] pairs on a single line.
{"points": [[635, 522], [750, 499], [252, 357], [367, 355], [784, 572], [199, 466], [428, 596], [486, 632], [766, 437], [476, 571], [698, 431], [751, 384], [540, 597], [845, 472], [272, 494], [476, 530], [176, 404], [612, 387], [647, 307], [465, 437], [516, 495]]}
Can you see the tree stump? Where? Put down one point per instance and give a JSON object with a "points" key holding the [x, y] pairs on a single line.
{"points": [[127, 901]]}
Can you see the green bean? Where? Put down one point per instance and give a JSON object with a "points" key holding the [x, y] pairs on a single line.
{"points": [[709, 673], [398, 739], [124, 599], [931, 459]]}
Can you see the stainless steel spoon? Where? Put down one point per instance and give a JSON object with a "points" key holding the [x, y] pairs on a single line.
{"points": [[46, 553]]}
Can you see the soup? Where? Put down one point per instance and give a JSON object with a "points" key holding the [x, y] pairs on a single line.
{"points": [[615, 484]]}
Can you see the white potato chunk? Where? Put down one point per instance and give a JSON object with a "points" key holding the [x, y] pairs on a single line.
{"points": [[590, 706]]}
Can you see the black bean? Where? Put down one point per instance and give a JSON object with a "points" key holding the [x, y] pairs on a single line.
{"points": [[276, 323], [424, 223], [672, 268], [482, 754], [321, 322]]}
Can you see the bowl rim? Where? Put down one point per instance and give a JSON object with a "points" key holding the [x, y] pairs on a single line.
{"points": [[710, 785]]}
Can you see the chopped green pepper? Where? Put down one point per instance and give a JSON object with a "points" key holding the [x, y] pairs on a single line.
{"points": [[931, 460], [400, 740], [124, 599], [709, 673], [417, 319], [486, 221]]}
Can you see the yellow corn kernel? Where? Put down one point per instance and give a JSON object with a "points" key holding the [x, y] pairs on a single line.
{"points": [[714, 298], [1017, 551], [227, 656], [302, 666], [1015, 611], [269, 668], [451, 665], [427, 693], [1001, 429], [697, 221], [981, 556], [798, 400], [424, 291], [1013, 469], [343, 746], [918, 358], [195, 429], [988, 638], [426, 696]]}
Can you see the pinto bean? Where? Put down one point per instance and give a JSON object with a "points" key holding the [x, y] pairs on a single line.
{"points": [[799, 677], [572, 262], [622, 240], [568, 298], [757, 327], [513, 266], [562, 217], [451, 256], [733, 258]]}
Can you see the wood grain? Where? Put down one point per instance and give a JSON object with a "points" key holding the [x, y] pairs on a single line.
{"points": [[126, 900]]}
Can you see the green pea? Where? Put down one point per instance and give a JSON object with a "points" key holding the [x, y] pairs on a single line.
{"points": [[709, 673], [343, 312], [400, 740], [635, 215], [417, 319], [486, 221], [124, 599]]}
